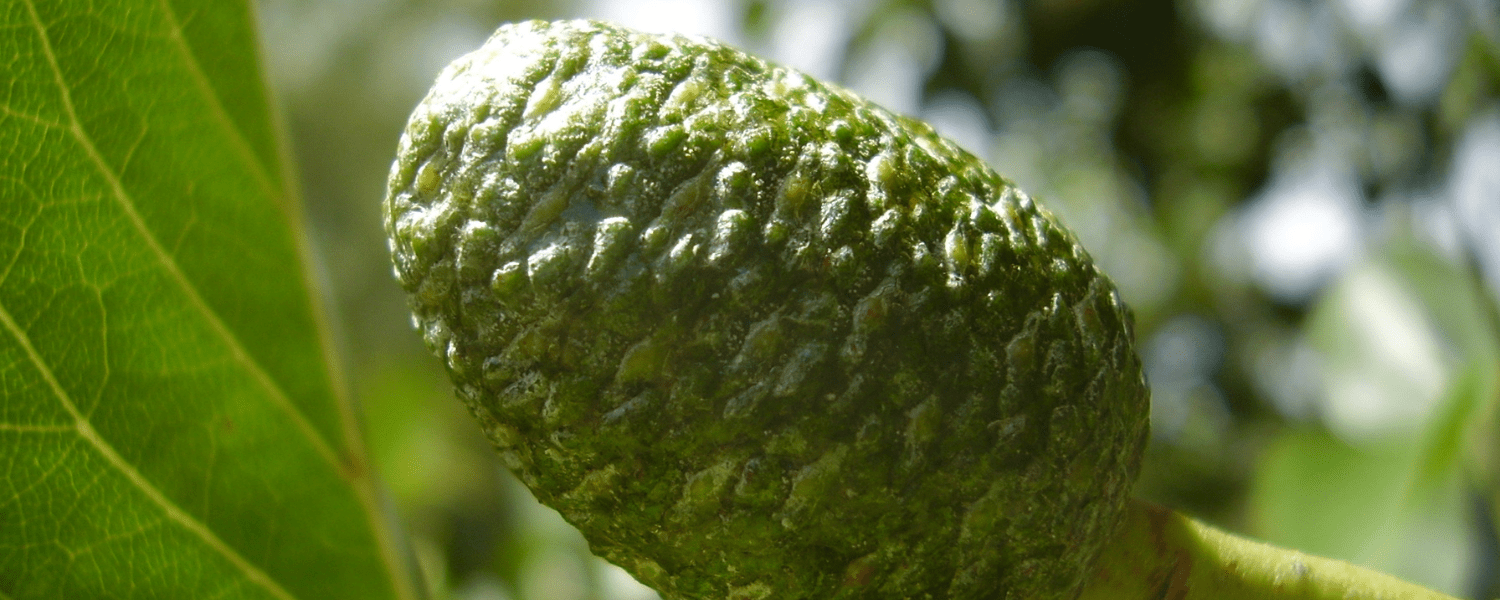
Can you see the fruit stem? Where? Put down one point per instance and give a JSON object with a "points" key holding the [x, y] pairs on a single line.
{"points": [[1160, 554]]}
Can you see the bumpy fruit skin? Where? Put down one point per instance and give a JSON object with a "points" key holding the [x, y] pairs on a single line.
{"points": [[755, 336]]}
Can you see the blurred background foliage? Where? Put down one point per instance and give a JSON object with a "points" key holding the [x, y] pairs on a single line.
{"points": [[1300, 199]]}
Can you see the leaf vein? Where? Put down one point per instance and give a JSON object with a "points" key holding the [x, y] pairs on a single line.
{"points": [[20, 246], [11, 112], [362, 483], [216, 105], [18, 428], [84, 427], [127, 204], [16, 497], [108, 453]]}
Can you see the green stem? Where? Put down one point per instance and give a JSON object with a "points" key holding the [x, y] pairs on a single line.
{"points": [[1162, 555]]}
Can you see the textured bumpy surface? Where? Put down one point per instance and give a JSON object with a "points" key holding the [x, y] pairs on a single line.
{"points": [[757, 337]]}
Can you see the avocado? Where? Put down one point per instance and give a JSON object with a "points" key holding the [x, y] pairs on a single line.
{"points": [[755, 336]]}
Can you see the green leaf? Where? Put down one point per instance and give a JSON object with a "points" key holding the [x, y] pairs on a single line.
{"points": [[171, 424], [1318, 494], [1407, 370]]}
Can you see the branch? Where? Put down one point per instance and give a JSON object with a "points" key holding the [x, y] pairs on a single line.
{"points": [[1187, 560]]}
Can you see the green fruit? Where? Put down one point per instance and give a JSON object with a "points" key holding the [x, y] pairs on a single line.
{"points": [[755, 336]]}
